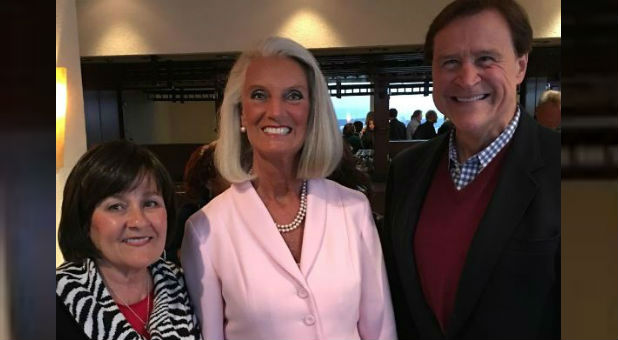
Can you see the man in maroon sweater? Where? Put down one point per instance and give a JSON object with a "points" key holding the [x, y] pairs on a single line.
{"points": [[471, 238]]}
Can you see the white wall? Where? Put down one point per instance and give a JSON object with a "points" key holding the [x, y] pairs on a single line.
{"points": [[137, 27], [142, 27], [67, 55], [149, 122]]}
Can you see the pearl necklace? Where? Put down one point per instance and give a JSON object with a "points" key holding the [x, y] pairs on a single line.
{"points": [[131, 309], [300, 215]]}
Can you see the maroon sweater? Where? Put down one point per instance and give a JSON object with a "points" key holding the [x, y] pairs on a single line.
{"points": [[448, 221]]}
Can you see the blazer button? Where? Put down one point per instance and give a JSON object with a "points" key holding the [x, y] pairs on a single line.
{"points": [[309, 320], [302, 293]]}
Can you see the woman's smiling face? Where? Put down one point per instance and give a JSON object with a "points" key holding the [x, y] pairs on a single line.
{"points": [[129, 228], [275, 106]]}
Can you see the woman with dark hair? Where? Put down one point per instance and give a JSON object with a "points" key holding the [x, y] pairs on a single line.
{"points": [[354, 142], [202, 183], [117, 211], [348, 175], [367, 134]]}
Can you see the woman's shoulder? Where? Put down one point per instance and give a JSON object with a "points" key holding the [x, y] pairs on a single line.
{"points": [[167, 268], [74, 268], [347, 195], [225, 204], [66, 326], [201, 221], [221, 203], [77, 280]]}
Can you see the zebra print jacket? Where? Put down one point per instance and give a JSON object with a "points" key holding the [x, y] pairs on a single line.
{"points": [[80, 288]]}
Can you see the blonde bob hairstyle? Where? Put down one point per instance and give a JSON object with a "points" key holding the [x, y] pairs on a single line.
{"points": [[322, 149]]}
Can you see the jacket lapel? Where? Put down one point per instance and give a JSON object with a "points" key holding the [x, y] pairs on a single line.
{"points": [[261, 226], [89, 301], [514, 191], [404, 224], [315, 223], [160, 316]]}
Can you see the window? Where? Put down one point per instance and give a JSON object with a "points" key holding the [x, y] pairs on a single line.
{"points": [[406, 104], [351, 108]]}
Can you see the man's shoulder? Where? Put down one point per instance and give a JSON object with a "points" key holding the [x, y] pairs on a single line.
{"points": [[550, 137], [546, 140], [550, 145], [410, 156]]}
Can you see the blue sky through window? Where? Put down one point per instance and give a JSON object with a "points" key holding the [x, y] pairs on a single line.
{"points": [[352, 108]]}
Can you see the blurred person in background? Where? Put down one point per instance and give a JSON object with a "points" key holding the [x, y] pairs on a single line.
{"points": [[548, 111], [351, 138], [396, 129], [415, 121], [202, 183], [367, 135], [427, 129]]}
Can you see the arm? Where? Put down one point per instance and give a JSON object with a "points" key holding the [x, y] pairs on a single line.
{"points": [[376, 319], [202, 283]]}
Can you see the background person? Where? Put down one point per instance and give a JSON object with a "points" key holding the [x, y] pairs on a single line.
{"points": [[415, 121], [117, 206], [284, 253], [202, 183], [427, 130], [446, 126], [358, 127], [367, 136], [396, 129], [351, 138], [548, 110]]}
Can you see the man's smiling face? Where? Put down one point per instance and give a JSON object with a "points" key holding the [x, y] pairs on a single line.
{"points": [[475, 74]]}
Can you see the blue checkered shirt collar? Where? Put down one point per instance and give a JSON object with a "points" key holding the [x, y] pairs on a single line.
{"points": [[463, 174]]}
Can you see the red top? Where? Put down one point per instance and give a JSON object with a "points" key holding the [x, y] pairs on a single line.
{"points": [[448, 221], [141, 309]]}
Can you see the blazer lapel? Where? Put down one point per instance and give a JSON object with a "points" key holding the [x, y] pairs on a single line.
{"points": [[261, 226], [404, 223], [160, 316], [514, 191], [315, 223]]}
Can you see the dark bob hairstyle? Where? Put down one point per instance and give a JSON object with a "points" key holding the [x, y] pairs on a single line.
{"points": [[511, 11], [105, 170]]}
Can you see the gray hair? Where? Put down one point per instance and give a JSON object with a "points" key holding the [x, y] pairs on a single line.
{"points": [[551, 96], [323, 146]]}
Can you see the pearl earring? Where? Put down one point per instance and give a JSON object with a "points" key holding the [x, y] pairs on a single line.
{"points": [[243, 129]]}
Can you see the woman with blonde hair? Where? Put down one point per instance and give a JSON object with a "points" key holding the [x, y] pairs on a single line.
{"points": [[284, 253]]}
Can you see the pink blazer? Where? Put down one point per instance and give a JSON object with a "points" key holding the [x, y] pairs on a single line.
{"points": [[245, 284]]}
